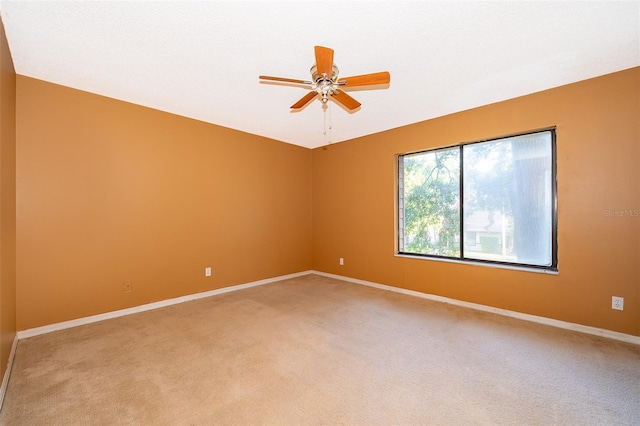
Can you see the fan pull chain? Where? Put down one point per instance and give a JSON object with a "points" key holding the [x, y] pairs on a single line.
{"points": [[324, 131], [324, 120]]}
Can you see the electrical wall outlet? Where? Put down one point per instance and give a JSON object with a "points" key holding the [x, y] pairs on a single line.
{"points": [[617, 303], [207, 271], [341, 261], [127, 286]]}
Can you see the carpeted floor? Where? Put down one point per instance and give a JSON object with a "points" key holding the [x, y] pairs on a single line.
{"points": [[314, 350]]}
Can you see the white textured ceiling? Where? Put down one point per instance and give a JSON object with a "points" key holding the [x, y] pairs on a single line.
{"points": [[202, 59]]}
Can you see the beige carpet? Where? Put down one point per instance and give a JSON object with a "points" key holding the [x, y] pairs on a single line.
{"points": [[314, 350]]}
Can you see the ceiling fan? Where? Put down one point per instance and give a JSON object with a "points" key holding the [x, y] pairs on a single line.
{"points": [[325, 83]]}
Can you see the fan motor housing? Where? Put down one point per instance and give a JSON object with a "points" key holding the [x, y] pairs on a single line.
{"points": [[316, 77]]}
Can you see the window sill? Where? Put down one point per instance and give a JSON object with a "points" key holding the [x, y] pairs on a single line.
{"points": [[485, 264]]}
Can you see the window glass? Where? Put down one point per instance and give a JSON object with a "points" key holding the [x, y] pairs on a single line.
{"points": [[432, 202], [507, 200]]}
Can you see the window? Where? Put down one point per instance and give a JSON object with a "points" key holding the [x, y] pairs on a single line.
{"points": [[491, 202]]}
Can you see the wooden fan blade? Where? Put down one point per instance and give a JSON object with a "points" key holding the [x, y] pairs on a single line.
{"points": [[346, 100], [305, 100], [367, 79], [324, 60], [286, 80]]}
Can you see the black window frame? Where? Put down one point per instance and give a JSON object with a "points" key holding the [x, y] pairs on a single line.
{"points": [[552, 268]]}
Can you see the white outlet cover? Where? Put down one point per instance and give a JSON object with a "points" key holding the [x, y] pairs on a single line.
{"points": [[617, 303], [207, 272]]}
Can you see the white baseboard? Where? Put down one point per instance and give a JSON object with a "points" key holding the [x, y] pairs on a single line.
{"points": [[7, 372], [513, 314], [149, 306], [504, 312]]}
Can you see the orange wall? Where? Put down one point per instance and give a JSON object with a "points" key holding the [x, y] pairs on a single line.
{"points": [[598, 147], [110, 192], [7, 202]]}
